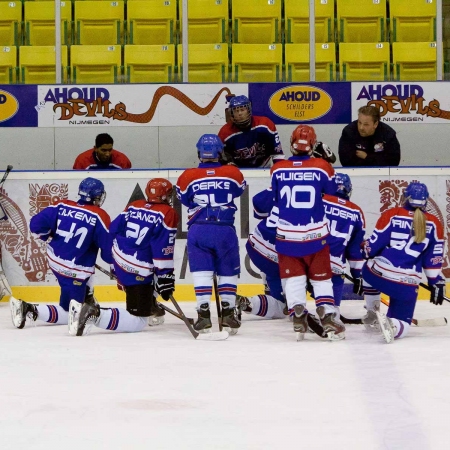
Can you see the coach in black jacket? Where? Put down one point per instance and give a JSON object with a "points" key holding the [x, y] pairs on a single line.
{"points": [[369, 142]]}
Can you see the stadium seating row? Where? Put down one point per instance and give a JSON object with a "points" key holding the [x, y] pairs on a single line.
{"points": [[220, 63], [149, 22]]}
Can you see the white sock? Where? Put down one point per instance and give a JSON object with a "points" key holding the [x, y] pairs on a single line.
{"points": [[227, 289], [203, 282], [402, 328], [295, 291], [267, 306], [52, 314], [120, 321]]}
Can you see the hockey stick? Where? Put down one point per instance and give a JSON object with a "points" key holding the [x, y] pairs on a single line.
{"points": [[437, 322], [5, 175], [170, 311], [216, 295], [5, 288], [214, 336]]}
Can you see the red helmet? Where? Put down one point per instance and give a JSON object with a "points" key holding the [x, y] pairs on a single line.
{"points": [[303, 140], [159, 190]]}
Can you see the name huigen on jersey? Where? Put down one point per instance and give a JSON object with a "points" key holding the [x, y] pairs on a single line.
{"points": [[73, 228]]}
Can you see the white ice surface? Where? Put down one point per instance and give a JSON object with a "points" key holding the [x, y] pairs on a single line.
{"points": [[260, 389]]}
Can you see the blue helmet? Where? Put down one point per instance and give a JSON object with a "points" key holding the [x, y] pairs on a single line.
{"points": [[92, 191], [209, 146], [241, 101], [416, 195], [344, 186]]}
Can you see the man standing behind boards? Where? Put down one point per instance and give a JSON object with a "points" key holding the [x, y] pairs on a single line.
{"points": [[102, 156], [369, 142]]}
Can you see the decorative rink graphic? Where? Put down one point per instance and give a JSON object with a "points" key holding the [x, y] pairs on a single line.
{"points": [[26, 265]]}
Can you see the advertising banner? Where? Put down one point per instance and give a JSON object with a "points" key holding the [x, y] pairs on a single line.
{"points": [[135, 105], [427, 102], [312, 103], [18, 106], [25, 263]]}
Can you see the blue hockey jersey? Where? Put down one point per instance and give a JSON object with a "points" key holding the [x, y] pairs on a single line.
{"points": [[396, 257], [209, 192], [347, 228], [253, 147], [298, 184], [143, 241], [77, 231]]}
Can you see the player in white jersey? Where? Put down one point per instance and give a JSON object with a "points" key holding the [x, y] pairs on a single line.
{"points": [[75, 232], [143, 246], [406, 240]]}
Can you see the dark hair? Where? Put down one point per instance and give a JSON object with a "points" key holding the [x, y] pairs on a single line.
{"points": [[103, 139], [371, 111]]}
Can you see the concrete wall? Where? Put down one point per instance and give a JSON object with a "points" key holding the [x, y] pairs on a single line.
{"points": [[172, 147]]}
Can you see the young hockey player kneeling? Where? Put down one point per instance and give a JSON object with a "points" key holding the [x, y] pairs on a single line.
{"points": [[143, 243]]}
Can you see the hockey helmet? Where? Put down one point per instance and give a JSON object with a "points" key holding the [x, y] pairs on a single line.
{"points": [[209, 146], [344, 185], [416, 195], [159, 190], [303, 140], [92, 191], [241, 111]]}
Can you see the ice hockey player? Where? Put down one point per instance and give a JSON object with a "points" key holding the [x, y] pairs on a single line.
{"points": [[250, 141], [75, 232], [405, 241], [209, 192], [347, 229], [302, 231], [143, 246]]}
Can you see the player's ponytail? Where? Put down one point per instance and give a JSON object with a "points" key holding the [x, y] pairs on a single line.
{"points": [[419, 226]]}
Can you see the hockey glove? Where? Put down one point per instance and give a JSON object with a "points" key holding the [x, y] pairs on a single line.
{"points": [[437, 292], [113, 276], [165, 285], [322, 150], [358, 286]]}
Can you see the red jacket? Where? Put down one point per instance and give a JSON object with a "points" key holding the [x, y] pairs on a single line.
{"points": [[88, 161]]}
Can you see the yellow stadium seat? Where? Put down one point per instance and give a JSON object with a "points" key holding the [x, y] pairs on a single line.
{"points": [[362, 20], [414, 61], [296, 15], [412, 20], [95, 63], [37, 64], [8, 65], [99, 22], [257, 62], [208, 63], [297, 62], [149, 63], [151, 22], [364, 61], [10, 22], [256, 21], [39, 20], [208, 21]]}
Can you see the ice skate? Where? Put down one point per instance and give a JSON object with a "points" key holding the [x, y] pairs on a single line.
{"points": [[88, 316], [370, 320], [243, 304], [230, 319], [157, 317], [332, 325], [300, 321], [20, 310], [203, 323], [387, 328]]}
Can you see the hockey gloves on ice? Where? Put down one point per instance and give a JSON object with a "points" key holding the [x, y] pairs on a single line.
{"points": [[358, 286], [165, 285], [437, 292]]}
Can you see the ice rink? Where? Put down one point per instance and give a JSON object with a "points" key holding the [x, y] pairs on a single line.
{"points": [[260, 389]]}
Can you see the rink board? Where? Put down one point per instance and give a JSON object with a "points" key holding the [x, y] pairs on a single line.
{"points": [[28, 192]]}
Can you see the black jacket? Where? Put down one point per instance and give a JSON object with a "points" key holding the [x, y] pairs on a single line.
{"points": [[382, 148]]}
